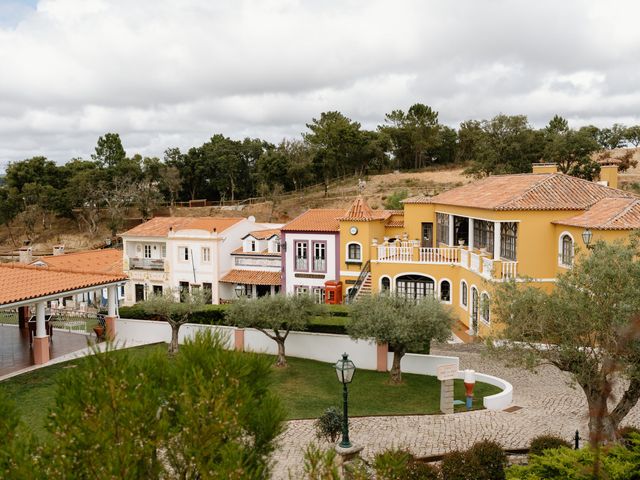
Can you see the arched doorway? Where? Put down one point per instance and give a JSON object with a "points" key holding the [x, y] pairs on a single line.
{"points": [[474, 311], [414, 286]]}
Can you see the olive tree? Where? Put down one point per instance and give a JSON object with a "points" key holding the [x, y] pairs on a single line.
{"points": [[587, 326], [275, 316], [404, 324], [175, 308]]}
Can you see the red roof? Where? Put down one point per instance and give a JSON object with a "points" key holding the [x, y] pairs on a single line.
{"points": [[316, 220], [252, 277], [543, 191], [159, 226], [25, 282], [108, 260], [608, 214]]}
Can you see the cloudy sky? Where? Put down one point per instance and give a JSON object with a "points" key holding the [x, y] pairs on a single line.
{"points": [[168, 73]]}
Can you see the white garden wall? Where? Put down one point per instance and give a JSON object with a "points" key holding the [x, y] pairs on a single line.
{"points": [[323, 347]]}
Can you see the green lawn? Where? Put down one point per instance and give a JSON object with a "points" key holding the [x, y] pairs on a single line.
{"points": [[306, 388]]}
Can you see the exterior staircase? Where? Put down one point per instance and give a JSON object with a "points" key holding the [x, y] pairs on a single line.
{"points": [[362, 287], [365, 288]]}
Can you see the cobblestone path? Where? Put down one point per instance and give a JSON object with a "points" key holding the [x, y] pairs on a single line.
{"points": [[548, 405]]}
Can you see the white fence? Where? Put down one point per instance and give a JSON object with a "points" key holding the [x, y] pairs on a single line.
{"points": [[323, 347]]}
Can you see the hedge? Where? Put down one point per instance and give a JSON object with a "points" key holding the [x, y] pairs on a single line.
{"points": [[334, 322]]}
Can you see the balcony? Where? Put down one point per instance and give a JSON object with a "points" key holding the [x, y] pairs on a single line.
{"points": [[146, 264], [475, 261]]}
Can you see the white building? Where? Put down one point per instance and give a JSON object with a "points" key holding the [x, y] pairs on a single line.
{"points": [[256, 266], [311, 256], [183, 253]]}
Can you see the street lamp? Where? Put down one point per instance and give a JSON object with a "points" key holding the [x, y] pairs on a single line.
{"points": [[586, 237], [345, 370], [239, 290]]}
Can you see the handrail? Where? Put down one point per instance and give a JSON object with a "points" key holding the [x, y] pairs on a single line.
{"points": [[356, 286]]}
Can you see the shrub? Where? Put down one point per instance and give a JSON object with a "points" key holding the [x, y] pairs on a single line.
{"points": [[392, 464], [625, 434], [488, 459], [320, 464], [422, 471], [394, 201], [457, 465], [329, 424], [546, 442]]}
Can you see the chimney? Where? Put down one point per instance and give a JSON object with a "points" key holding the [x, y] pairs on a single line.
{"points": [[609, 175], [545, 168], [58, 250], [25, 255]]}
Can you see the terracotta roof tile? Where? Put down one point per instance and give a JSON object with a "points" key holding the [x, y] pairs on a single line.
{"points": [[252, 277], [608, 214], [544, 191], [159, 226], [25, 282], [108, 260], [263, 234], [359, 211], [316, 220]]}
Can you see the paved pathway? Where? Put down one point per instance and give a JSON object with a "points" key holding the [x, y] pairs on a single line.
{"points": [[549, 405]]}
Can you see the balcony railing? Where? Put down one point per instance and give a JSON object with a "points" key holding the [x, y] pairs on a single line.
{"points": [[478, 262], [146, 264]]}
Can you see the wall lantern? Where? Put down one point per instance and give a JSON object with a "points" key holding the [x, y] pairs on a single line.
{"points": [[586, 237]]}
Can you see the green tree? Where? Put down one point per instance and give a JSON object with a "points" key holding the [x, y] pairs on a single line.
{"points": [[632, 135], [587, 326], [404, 324], [415, 135], [571, 150], [109, 152], [174, 307], [337, 144], [275, 316], [502, 145], [204, 413]]}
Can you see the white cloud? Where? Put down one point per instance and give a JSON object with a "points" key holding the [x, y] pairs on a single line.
{"points": [[171, 73]]}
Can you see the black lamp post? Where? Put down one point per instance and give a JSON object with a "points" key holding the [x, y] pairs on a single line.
{"points": [[345, 370], [239, 290], [586, 238]]}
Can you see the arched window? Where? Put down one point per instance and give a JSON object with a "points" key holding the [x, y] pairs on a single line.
{"points": [[445, 291], [464, 294], [415, 286], [385, 284], [354, 252], [566, 250], [484, 307]]}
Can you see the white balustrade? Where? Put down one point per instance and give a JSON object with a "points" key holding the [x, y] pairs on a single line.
{"points": [[464, 258], [487, 267], [474, 265], [509, 270], [403, 252]]}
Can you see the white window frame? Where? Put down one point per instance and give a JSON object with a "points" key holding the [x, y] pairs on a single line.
{"points": [[183, 254], [163, 251], [319, 295], [205, 252], [354, 260], [147, 251], [380, 289], [463, 285], [301, 290], [560, 250], [448, 302], [486, 321]]}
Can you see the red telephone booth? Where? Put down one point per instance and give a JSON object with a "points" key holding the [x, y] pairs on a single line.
{"points": [[333, 292]]}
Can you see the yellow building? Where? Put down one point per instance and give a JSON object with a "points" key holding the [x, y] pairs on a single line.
{"points": [[458, 244]]}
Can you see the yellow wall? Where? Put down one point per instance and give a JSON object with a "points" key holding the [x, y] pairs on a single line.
{"points": [[537, 250], [609, 174]]}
